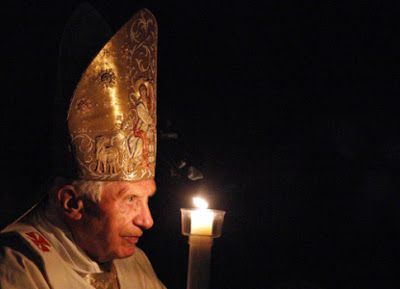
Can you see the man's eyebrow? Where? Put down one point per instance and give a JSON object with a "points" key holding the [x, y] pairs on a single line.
{"points": [[121, 192]]}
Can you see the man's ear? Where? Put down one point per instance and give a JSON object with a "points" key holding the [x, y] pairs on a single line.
{"points": [[71, 205]]}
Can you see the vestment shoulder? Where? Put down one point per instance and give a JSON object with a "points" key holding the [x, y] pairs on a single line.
{"points": [[20, 266], [16, 243]]}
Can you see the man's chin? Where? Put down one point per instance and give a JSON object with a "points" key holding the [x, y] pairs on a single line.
{"points": [[126, 252]]}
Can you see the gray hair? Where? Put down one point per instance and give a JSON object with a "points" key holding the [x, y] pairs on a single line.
{"points": [[91, 190]]}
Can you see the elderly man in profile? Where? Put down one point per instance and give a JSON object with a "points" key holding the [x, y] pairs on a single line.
{"points": [[84, 233]]}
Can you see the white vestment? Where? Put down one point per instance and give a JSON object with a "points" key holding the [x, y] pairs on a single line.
{"points": [[37, 253]]}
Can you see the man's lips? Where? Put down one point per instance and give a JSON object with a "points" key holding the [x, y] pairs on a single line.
{"points": [[131, 239]]}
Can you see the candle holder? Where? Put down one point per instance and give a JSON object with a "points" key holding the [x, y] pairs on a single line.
{"points": [[202, 226]]}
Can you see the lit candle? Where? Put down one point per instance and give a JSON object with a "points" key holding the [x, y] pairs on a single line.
{"points": [[201, 219], [202, 225]]}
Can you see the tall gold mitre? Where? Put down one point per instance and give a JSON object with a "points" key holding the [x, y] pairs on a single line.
{"points": [[112, 114]]}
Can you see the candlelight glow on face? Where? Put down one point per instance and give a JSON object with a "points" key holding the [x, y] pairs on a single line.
{"points": [[201, 219]]}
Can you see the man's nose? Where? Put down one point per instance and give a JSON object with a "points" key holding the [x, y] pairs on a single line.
{"points": [[144, 219]]}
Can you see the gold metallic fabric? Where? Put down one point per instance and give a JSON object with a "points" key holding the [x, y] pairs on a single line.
{"points": [[106, 280], [112, 115]]}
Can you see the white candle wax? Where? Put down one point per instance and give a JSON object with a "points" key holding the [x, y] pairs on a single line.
{"points": [[201, 222]]}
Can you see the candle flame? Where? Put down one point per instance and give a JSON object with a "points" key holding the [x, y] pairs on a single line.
{"points": [[200, 203]]}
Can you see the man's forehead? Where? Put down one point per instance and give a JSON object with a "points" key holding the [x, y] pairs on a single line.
{"points": [[145, 187]]}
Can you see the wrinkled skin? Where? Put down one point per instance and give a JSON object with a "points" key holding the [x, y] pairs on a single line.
{"points": [[113, 229]]}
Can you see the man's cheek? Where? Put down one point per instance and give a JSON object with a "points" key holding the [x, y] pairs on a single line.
{"points": [[123, 209]]}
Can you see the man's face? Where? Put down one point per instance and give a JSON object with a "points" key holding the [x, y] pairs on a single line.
{"points": [[122, 215]]}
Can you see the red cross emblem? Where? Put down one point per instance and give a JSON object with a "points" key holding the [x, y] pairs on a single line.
{"points": [[39, 241]]}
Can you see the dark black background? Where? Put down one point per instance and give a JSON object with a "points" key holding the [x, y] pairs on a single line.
{"points": [[289, 109]]}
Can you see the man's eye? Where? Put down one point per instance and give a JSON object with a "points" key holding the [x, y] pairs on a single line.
{"points": [[131, 198]]}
